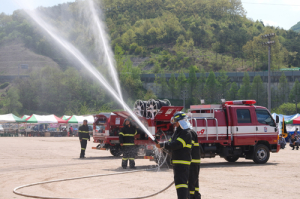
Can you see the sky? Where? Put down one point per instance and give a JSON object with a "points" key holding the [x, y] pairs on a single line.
{"points": [[282, 13]]}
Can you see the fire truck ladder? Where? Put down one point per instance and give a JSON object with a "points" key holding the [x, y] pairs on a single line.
{"points": [[212, 117]]}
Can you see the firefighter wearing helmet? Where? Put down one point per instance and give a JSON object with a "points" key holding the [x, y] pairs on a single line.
{"points": [[126, 137], [84, 136], [180, 146]]}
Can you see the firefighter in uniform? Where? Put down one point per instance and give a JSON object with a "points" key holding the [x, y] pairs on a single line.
{"points": [[126, 138], [195, 168], [84, 136], [180, 146]]}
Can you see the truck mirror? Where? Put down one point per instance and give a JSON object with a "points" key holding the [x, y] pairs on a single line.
{"points": [[277, 119]]}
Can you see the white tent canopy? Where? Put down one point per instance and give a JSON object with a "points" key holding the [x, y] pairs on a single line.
{"points": [[45, 119], [78, 119], [10, 118]]}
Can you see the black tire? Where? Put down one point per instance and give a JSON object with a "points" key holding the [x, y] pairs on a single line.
{"points": [[261, 154], [115, 151], [231, 158]]}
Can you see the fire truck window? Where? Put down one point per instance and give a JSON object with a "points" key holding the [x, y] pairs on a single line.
{"points": [[264, 117], [243, 116], [100, 128]]}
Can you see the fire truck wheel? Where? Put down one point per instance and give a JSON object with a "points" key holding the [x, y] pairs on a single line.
{"points": [[115, 151], [261, 154], [231, 158]]}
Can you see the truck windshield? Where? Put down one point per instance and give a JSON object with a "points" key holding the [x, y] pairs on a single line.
{"points": [[264, 117]]}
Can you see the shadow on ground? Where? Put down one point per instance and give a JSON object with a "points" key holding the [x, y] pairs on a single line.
{"points": [[234, 164]]}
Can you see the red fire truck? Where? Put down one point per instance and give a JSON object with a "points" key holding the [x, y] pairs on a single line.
{"points": [[231, 130]]}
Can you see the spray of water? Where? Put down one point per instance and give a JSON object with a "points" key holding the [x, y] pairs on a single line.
{"points": [[98, 28], [64, 44]]}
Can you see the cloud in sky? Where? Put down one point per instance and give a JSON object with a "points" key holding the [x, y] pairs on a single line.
{"points": [[284, 15], [270, 23]]}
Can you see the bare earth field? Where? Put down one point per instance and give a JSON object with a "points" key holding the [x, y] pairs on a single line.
{"points": [[25, 160]]}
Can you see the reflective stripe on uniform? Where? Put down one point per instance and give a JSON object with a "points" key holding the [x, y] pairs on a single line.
{"points": [[188, 146], [85, 138], [128, 144], [196, 144], [83, 131], [196, 160], [192, 192], [135, 132], [181, 186], [170, 139], [197, 189], [181, 162], [124, 158], [82, 148], [128, 134], [131, 158], [182, 141], [121, 133]]}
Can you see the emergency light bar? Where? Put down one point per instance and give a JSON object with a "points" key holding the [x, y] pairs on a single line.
{"points": [[240, 102]]}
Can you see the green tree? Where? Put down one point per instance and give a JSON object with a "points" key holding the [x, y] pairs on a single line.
{"points": [[233, 92], [11, 101], [295, 92], [223, 80], [192, 81], [212, 89], [172, 85], [258, 92], [161, 82], [119, 57], [283, 89], [84, 109], [199, 93], [181, 83], [244, 91]]}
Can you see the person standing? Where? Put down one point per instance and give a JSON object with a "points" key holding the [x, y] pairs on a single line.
{"points": [[126, 138], [84, 136], [71, 130], [180, 145], [195, 167]]}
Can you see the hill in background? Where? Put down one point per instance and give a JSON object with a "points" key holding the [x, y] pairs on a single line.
{"points": [[296, 27], [14, 53], [174, 34]]}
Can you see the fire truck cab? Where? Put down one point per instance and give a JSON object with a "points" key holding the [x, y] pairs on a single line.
{"points": [[235, 129]]}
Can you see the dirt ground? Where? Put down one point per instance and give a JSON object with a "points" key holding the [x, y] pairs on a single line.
{"points": [[27, 160]]}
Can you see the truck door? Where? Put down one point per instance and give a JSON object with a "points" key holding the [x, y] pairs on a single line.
{"points": [[266, 126], [243, 125]]}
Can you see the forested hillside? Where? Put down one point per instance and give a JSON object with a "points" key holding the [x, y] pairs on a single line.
{"points": [[296, 27], [175, 34], [172, 35]]}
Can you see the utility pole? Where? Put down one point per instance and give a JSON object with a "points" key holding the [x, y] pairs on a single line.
{"points": [[269, 43]]}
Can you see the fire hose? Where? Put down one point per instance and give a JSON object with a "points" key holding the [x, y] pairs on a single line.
{"points": [[90, 176]]}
